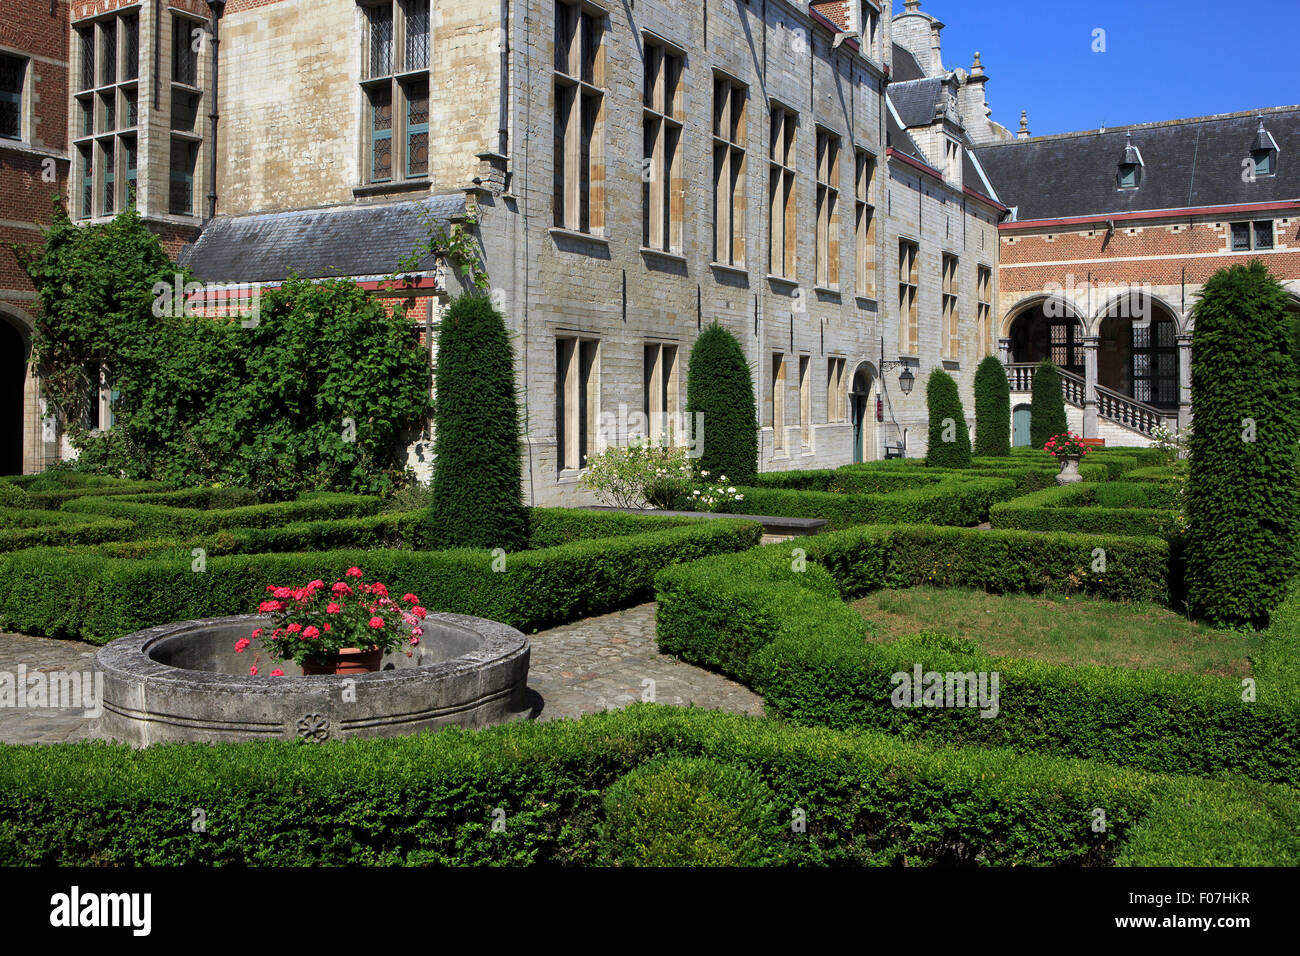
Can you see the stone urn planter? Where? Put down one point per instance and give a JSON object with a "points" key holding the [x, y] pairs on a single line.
{"points": [[1069, 470]]}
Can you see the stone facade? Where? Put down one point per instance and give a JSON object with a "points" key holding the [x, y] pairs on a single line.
{"points": [[296, 105], [602, 283]]}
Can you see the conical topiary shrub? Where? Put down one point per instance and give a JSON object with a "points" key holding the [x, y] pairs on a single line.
{"points": [[1046, 405], [719, 388], [477, 479], [992, 409], [1242, 509], [949, 442]]}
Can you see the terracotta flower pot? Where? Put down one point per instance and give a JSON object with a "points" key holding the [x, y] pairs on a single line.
{"points": [[349, 660], [1069, 470]]}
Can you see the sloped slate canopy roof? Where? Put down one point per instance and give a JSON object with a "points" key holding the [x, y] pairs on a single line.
{"points": [[915, 100], [369, 240], [1186, 163], [904, 66], [898, 138]]}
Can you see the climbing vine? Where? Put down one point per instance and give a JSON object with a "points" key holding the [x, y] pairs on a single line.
{"points": [[458, 245], [317, 389]]}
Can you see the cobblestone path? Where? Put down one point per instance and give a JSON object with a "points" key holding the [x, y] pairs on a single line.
{"points": [[601, 663], [22, 656]]}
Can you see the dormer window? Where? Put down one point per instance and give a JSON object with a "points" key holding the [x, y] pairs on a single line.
{"points": [[1263, 152], [863, 24], [870, 28], [1130, 166]]}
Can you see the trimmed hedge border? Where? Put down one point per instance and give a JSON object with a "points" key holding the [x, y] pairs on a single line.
{"points": [[50, 490], [1082, 508], [427, 800], [548, 527], [161, 519], [207, 499], [788, 634], [1029, 476], [962, 503], [30, 528], [95, 598], [1159, 473]]}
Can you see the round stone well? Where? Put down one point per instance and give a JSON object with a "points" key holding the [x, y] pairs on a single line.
{"points": [[185, 682]]}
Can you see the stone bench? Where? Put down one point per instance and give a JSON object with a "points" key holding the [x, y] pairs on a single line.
{"points": [[775, 528]]}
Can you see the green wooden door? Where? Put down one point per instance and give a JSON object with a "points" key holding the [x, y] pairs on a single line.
{"points": [[1020, 427]]}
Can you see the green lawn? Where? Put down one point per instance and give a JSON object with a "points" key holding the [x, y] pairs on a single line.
{"points": [[1063, 630]]}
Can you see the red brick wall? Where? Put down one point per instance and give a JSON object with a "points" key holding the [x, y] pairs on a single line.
{"points": [[25, 198], [81, 9], [1131, 258], [30, 180]]}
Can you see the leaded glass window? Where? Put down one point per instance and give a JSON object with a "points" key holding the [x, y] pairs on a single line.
{"points": [[106, 153], [132, 162], [417, 128], [184, 154], [1264, 234], [185, 59], [396, 104], [381, 134], [108, 62], [381, 40], [417, 34], [87, 37], [87, 183], [131, 50], [12, 71]]}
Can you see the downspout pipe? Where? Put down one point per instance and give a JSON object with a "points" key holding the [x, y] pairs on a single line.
{"points": [[503, 125], [217, 7]]}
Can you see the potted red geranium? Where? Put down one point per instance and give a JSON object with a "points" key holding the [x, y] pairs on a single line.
{"points": [[1069, 449], [344, 628]]}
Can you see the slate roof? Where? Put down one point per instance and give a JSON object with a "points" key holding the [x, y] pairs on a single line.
{"points": [[360, 240], [915, 100], [1186, 163], [905, 68], [896, 137]]}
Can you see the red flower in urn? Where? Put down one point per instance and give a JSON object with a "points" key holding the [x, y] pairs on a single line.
{"points": [[343, 628]]}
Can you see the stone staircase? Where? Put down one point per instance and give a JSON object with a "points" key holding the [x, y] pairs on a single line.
{"points": [[1122, 419]]}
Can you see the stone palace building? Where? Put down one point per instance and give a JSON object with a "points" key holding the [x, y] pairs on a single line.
{"points": [[809, 175]]}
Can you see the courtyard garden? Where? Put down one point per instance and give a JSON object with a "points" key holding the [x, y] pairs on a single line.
{"points": [[970, 664]]}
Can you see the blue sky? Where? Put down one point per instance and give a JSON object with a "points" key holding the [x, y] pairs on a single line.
{"points": [[1164, 59]]}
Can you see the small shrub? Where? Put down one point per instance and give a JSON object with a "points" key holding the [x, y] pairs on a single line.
{"points": [[477, 473], [949, 441], [992, 409], [11, 496], [719, 388], [689, 811], [1046, 405], [1243, 509], [640, 474]]}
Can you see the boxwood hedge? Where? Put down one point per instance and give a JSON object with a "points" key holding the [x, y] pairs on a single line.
{"points": [[164, 519], [868, 799], [963, 502], [96, 598], [51, 489], [1105, 508], [31, 528], [775, 619], [548, 527]]}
